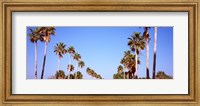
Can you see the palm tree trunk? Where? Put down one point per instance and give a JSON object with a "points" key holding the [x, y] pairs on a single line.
{"points": [[69, 66], [154, 58], [147, 59], [58, 63], [44, 61], [36, 61], [136, 71]]}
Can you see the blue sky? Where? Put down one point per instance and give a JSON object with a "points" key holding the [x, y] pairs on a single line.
{"points": [[101, 48]]}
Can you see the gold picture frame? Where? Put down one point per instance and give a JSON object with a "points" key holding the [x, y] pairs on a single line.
{"points": [[9, 6]]}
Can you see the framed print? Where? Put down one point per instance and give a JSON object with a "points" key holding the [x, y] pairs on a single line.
{"points": [[100, 52]]}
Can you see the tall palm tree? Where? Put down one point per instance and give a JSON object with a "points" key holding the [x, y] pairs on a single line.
{"points": [[60, 50], [71, 52], [154, 58], [45, 33], [77, 57], [136, 44], [146, 37], [70, 68], [34, 37]]}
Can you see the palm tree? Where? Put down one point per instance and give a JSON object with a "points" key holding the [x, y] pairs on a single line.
{"points": [[71, 51], [70, 68], [59, 49], [131, 59], [136, 44], [88, 70], [129, 63], [34, 37], [45, 33], [146, 37], [124, 60], [154, 58], [60, 74], [81, 64], [93, 74], [77, 57]]}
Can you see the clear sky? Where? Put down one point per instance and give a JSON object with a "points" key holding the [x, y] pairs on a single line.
{"points": [[101, 48]]}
